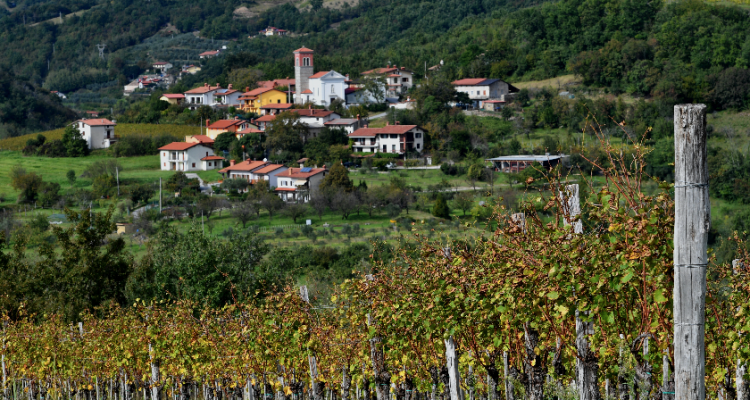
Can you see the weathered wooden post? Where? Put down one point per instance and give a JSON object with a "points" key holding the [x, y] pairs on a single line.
{"points": [[154, 374], [692, 222], [382, 378], [508, 387], [741, 384], [311, 358], [452, 363]]}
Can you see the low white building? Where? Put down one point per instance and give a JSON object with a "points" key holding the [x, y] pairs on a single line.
{"points": [[349, 125], [299, 184], [209, 54], [397, 80], [315, 119], [183, 156], [201, 96], [480, 89], [162, 66], [388, 139], [99, 133], [273, 31]]}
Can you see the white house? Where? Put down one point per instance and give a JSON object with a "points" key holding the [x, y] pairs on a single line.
{"points": [[397, 80], [242, 170], [349, 125], [227, 97], [388, 139], [480, 89], [315, 119], [209, 54], [182, 156], [201, 96], [99, 133], [299, 184], [269, 173], [273, 31], [162, 66]]}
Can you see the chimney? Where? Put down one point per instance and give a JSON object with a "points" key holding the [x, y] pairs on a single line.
{"points": [[230, 86], [208, 121], [231, 163], [387, 123], [218, 86], [403, 68], [310, 106], [366, 125], [398, 122], [247, 88], [205, 84], [236, 118], [357, 117]]}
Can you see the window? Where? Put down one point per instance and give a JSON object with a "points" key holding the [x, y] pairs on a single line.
{"points": [[394, 136], [306, 62], [296, 62], [206, 154], [385, 148], [417, 145], [165, 164], [164, 154], [393, 147], [193, 165], [278, 101], [418, 135], [405, 80], [333, 89]]}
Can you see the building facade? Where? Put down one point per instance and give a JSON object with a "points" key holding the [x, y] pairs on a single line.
{"points": [[99, 133], [397, 139], [182, 156]]}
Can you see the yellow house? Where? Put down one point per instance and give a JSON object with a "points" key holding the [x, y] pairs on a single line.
{"points": [[173, 98], [256, 98]]}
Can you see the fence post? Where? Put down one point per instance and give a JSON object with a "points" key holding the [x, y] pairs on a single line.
{"points": [[311, 358], [741, 384], [452, 364], [692, 222], [378, 361]]}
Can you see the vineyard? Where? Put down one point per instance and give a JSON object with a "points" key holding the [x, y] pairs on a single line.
{"points": [[18, 143], [571, 298]]}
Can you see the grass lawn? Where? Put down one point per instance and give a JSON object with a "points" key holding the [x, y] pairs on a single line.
{"points": [[143, 169]]}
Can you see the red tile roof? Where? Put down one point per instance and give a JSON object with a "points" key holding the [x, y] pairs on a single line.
{"points": [[211, 158], [226, 123], [245, 166], [473, 81], [97, 122], [303, 50], [285, 189], [319, 74], [178, 146], [203, 139], [249, 130], [307, 91], [277, 106], [380, 71], [226, 92], [312, 112], [277, 82], [209, 53], [268, 168], [297, 174], [259, 90], [160, 63], [174, 95], [266, 118], [203, 89], [371, 132]]}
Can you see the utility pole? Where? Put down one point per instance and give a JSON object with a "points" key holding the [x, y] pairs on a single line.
{"points": [[117, 174], [692, 222]]}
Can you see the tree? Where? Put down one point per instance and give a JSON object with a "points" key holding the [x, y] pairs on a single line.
{"points": [[464, 201], [49, 193], [506, 112], [440, 209], [28, 183], [346, 203], [206, 206], [337, 178], [71, 176], [244, 212], [271, 203], [319, 203], [104, 185], [140, 193], [295, 210], [224, 141], [316, 4], [474, 174], [285, 133], [75, 144], [242, 78]]}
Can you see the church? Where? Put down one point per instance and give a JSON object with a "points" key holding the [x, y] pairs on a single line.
{"points": [[318, 88]]}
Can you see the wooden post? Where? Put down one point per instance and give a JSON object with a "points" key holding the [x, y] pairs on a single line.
{"points": [[453, 373], [741, 384], [665, 378], [505, 371], [378, 362], [154, 374], [692, 222], [311, 358]]}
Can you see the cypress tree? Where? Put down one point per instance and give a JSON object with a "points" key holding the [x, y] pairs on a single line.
{"points": [[440, 209]]}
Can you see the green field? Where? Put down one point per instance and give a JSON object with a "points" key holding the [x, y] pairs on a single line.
{"points": [[122, 130]]}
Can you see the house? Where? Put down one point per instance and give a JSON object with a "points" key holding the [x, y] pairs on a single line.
{"points": [[162, 66], [493, 105], [349, 125], [315, 119], [279, 83], [299, 184], [183, 156], [273, 109], [318, 88], [201, 96], [173, 98], [99, 133], [263, 121], [388, 139], [253, 100], [243, 170], [521, 162], [272, 31], [397, 80], [131, 87], [209, 54], [60, 95], [92, 114], [190, 69], [226, 125], [481, 89], [252, 129], [268, 173], [227, 97], [202, 139]]}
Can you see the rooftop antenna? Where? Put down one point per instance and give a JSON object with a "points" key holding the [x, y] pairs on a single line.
{"points": [[101, 47]]}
